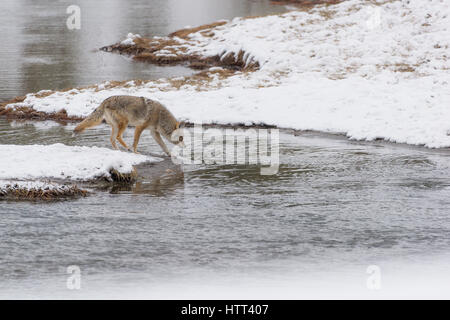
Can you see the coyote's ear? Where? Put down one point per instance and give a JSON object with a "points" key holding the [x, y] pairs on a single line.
{"points": [[177, 125]]}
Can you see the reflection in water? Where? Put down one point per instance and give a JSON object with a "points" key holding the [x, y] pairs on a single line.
{"points": [[157, 179]]}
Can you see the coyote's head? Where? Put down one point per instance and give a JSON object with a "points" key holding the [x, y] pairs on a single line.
{"points": [[177, 135]]}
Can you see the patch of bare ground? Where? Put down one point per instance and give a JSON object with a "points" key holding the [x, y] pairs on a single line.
{"points": [[172, 50], [18, 112], [15, 191], [205, 30], [403, 67], [27, 113]]}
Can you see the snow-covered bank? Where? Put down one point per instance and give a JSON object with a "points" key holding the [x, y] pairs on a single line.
{"points": [[367, 71], [58, 161]]}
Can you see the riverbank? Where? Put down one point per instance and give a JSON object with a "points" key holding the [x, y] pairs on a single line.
{"points": [[370, 71], [48, 172]]}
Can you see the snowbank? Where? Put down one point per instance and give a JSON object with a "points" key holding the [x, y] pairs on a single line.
{"points": [[367, 71], [58, 161]]}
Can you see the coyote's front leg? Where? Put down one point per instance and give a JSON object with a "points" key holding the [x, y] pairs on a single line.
{"points": [[122, 127], [160, 141]]}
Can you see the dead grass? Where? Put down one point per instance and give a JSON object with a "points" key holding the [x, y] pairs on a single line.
{"points": [[16, 192], [205, 29], [201, 80], [403, 67], [148, 50], [399, 67], [327, 14], [27, 113], [306, 4], [117, 176]]}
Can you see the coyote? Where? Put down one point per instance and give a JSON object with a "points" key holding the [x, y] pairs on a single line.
{"points": [[143, 113]]}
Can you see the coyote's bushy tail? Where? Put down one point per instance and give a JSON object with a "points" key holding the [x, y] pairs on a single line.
{"points": [[94, 119]]}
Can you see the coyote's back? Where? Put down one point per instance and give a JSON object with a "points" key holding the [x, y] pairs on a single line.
{"points": [[121, 105]]}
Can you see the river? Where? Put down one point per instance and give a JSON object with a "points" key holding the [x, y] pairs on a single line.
{"points": [[335, 208]]}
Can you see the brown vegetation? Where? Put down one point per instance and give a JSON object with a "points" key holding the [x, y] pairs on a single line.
{"points": [[16, 192], [307, 3], [117, 176], [27, 113], [206, 30]]}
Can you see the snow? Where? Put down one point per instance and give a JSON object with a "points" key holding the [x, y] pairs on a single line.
{"points": [[363, 70], [130, 39], [6, 185], [58, 161]]}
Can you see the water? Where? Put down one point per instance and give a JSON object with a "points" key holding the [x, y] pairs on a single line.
{"points": [[334, 203], [40, 52], [335, 207]]}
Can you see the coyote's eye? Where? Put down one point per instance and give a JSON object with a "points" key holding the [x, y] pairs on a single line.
{"points": [[180, 139]]}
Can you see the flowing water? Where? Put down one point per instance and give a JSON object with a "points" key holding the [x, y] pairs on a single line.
{"points": [[335, 207], [333, 202]]}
